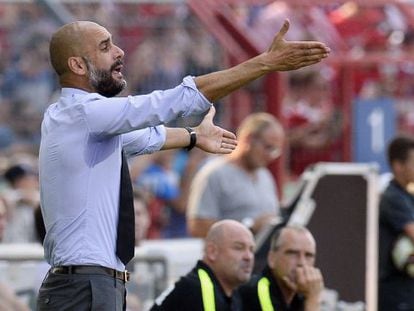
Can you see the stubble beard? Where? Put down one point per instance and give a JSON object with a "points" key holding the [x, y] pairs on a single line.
{"points": [[102, 81]]}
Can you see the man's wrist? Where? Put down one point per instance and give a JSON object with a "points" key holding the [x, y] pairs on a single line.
{"points": [[193, 138], [313, 303]]}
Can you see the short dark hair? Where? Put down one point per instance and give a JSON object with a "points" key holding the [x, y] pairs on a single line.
{"points": [[399, 148], [17, 172]]}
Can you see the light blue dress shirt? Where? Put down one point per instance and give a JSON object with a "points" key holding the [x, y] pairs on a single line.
{"points": [[80, 162]]}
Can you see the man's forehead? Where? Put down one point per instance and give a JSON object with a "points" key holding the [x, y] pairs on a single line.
{"points": [[227, 232], [95, 38], [242, 238], [246, 240], [96, 32], [84, 30], [82, 35], [308, 249], [294, 238]]}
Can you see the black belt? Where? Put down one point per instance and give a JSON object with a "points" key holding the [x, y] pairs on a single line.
{"points": [[124, 276]]}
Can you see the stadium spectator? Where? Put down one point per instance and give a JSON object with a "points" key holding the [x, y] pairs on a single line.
{"points": [[227, 263], [163, 182], [396, 287], [23, 198], [142, 220], [290, 281], [9, 301], [239, 186], [166, 181]]}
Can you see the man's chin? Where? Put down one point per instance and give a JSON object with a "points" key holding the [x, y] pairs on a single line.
{"points": [[245, 277], [122, 85], [114, 90]]}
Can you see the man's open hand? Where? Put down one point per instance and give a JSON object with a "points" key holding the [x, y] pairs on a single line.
{"points": [[212, 138], [285, 55]]}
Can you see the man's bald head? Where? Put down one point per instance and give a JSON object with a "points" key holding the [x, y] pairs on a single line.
{"points": [[221, 230], [68, 41], [229, 252]]}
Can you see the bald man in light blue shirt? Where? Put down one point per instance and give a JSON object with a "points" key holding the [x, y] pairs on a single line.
{"points": [[84, 134]]}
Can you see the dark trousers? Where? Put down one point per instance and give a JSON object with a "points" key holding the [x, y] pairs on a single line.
{"points": [[81, 292]]}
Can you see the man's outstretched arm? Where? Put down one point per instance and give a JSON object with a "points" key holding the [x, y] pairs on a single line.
{"points": [[282, 55]]}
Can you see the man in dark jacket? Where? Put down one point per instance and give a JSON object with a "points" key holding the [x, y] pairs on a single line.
{"points": [[290, 281], [227, 263], [396, 213]]}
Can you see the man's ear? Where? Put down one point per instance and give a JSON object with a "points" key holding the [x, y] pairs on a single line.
{"points": [[270, 259], [397, 167], [211, 252], [248, 141], [77, 65]]}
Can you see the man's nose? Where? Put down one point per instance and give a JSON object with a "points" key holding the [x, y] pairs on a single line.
{"points": [[119, 52], [248, 255], [302, 260]]}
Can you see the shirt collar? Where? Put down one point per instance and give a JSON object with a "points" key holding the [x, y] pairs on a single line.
{"points": [[69, 91]]}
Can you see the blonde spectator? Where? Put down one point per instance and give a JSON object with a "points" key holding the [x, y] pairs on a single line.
{"points": [[239, 186]]}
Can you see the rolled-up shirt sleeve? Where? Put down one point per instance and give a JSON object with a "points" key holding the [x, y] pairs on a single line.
{"points": [[144, 141]]}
